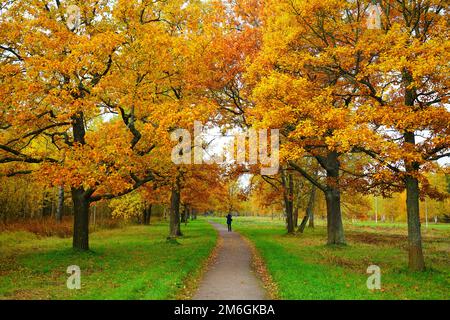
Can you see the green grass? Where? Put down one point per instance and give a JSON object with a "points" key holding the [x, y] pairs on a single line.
{"points": [[402, 225], [134, 262], [137, 262], [304, 268]]}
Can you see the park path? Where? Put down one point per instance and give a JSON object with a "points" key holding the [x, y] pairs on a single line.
{"points": [[230, 276]]}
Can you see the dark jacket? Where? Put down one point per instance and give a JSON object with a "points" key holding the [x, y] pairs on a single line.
{"points": [[229, 219]]}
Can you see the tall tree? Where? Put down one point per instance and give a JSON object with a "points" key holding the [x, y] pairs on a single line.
{"points": [[59, 81], [337, 86], [412, 62]]}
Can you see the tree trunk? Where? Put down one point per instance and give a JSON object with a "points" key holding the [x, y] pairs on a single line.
{"points": [[46, 205], [288, 200], [143, 217], [184, 215], [295, 217], [79, 199], [147, 214], [60, 207], [175, 230], [309, 215], [303, 224], [311, 220], [335, 227], [81, 219], [310, 209], [416, 259]]}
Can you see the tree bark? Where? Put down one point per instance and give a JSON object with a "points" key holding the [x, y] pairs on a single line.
{"points": [[335, 227], [311, 220], [288, 200], [295, 217], [147, 214], [303, 224], [309, 215], [79, 198], [46, 205], [310, 209], [329, 162], [184, 215], [416, 259], [175, 229], [81, 219], [60, 207]]}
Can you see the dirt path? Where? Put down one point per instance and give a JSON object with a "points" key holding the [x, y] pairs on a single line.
{"points": [[230, 276]]}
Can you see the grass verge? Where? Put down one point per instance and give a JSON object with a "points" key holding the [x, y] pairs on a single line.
{"points": [[304, 268], [134, 262]]}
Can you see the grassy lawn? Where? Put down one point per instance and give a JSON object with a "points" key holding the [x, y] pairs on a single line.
{"points": [[134, 262], [304, 268]]}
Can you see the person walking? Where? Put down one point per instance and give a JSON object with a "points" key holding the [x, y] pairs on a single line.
{"points": [[229, 220]]}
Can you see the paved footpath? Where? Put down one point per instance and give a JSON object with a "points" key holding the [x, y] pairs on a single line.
{"points": [[230, 276]]}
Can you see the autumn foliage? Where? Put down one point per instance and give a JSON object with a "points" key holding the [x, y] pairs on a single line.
{"points": [[362, 106]]}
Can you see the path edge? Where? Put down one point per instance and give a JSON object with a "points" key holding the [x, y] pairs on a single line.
{"points": [[192, 284], [259, 266]]}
